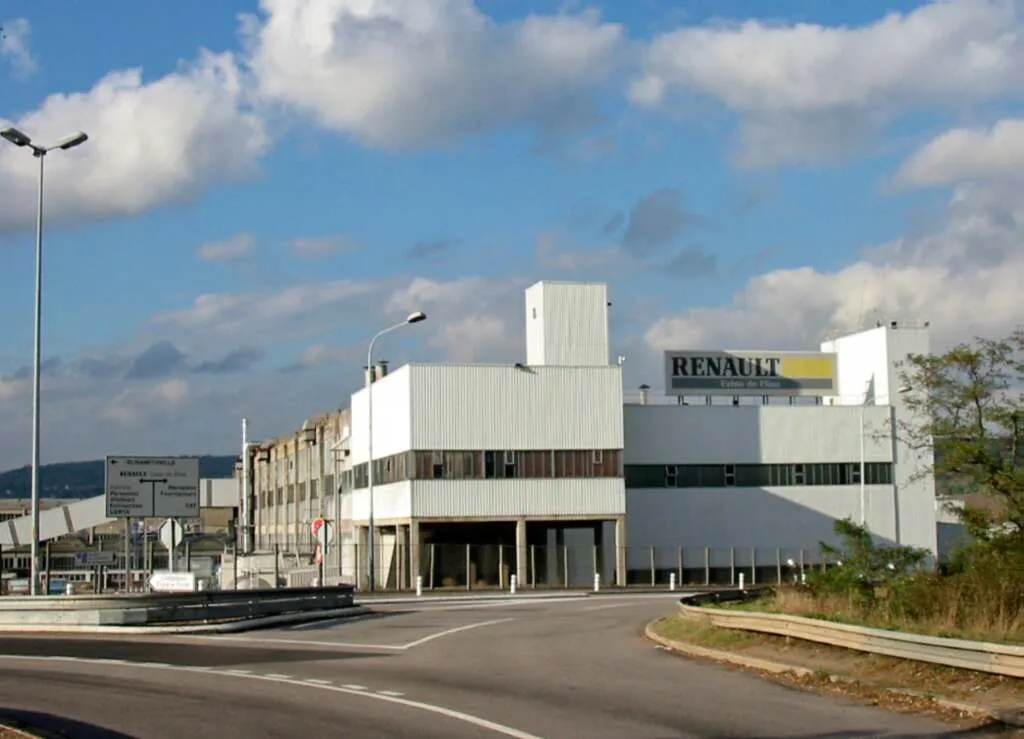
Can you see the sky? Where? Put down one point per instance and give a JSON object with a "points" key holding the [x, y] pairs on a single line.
{"points": [[268, 184]]}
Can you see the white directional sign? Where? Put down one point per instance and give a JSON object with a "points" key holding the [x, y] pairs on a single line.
{"points": [[171, 534], [142, 487]]}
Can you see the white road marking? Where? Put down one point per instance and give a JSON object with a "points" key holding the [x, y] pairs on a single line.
{"points": [[346, 689], [610, 605], [316, 681], [456, 630], [239, 672], [279, 676], [360, 645], [392, 693], [153, 664]]}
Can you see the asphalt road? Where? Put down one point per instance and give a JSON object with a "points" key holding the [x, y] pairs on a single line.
{"points": [[552, 669]]}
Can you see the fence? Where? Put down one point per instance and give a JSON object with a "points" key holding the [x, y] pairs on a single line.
{"points": [[456, 566]]}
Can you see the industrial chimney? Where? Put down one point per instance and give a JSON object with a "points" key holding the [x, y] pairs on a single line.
{"points": [[643, 394]]}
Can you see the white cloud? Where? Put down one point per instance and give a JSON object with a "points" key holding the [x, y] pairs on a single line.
{"points": [[138, 403], [964, 278], [11, 388], [150, 143], [236, 247], [318, 246], [803, 90], [968, 154], [396, 74], [14, 35]]}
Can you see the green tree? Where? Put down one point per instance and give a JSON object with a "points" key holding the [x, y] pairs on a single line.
{"points": [[968, 403]]}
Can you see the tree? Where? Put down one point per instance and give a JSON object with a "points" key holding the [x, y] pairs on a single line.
{"points": [[969, 404]]}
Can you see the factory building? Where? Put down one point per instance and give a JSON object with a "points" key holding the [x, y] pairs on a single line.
{"points": [[546, 469]]}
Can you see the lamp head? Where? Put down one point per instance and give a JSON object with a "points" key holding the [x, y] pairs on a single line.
{"points": [[416, 317], [15, 136]]}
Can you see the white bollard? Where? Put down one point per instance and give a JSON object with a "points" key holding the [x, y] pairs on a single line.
{"points": [[672, 581], [512, 584], [741, 580], [419, 585], [597, 582]]}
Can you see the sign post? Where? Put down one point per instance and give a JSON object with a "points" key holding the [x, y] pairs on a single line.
{"points": [[171, 534], [324, 533], [149, 487]]}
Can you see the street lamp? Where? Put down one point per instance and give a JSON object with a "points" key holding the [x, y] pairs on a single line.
{"points": [[19, 139], [903, 390], [412, 318]]}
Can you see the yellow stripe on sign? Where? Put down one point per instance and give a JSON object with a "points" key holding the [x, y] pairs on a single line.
{"points": [[808, 367]]}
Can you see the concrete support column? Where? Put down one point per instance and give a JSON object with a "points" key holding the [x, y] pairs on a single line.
{"points": [[401, 556], [414, 550], [522, 554], [362, 556], [620, 551]]}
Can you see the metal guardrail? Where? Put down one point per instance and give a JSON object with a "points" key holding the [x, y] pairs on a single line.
{"points": [[996, 659], [169, 609]]}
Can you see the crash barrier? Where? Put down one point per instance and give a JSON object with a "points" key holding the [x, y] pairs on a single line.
{"points": [[996, 659], [170, 609]]}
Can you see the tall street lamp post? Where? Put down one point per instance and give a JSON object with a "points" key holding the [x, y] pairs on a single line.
{"points": [[19, 139], [413, 318]]}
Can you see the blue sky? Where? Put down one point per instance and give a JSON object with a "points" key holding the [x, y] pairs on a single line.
{"points": [[267, 184]]}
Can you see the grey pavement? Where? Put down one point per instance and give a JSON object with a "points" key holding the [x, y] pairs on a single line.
{"points": [[548, 668]]}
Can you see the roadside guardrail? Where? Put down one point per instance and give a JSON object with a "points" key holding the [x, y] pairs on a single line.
{"points": [[169, 609], [996, 659]]}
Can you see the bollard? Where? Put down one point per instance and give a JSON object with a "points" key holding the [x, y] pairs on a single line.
{"points": [[512, 584], [597, 582], [419, 585], [741, 581], [803, 578], [672, 581]]}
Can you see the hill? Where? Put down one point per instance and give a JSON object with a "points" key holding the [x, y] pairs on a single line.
{"points": [[85, 479]]}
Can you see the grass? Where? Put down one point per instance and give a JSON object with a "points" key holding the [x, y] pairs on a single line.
{"points": [[926, 605]]}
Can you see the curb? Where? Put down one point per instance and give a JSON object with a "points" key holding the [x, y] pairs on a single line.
{"points": [[1010, 718], [222, 628]]}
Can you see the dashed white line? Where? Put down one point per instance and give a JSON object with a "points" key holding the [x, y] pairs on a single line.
{"points": [[392, 693], [238, 672], [279, 676], [317, 681], [358, 690]]}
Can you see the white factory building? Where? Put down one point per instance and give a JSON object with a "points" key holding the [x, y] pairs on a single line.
{"points": [[547, 469]]}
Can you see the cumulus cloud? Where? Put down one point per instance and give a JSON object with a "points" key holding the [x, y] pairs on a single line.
{"points": [[982, 154], [400, 74], [807, 91], [150, 143], [964, 278], [136, 405], [14, 47], [236, 247]]}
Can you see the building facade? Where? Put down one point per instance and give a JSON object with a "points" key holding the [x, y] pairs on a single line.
{"points": [[489, 470]]}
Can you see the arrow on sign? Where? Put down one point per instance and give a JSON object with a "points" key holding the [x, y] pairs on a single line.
{"points": [[152, 487]]}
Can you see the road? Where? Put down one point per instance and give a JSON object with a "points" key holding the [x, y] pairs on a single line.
{"points": [[556, 669]]}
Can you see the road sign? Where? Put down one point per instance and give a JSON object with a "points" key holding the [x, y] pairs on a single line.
{"points": [[167, 529], [95, 559], [140, 487], [163, 581], [323, 531]]}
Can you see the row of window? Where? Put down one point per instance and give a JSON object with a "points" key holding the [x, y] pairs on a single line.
{"points": [[486, 465], [755, 475]]}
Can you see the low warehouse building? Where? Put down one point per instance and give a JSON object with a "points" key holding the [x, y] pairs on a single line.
{"points": [[546, 470]]}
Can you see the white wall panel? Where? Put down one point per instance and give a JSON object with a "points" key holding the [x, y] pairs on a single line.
{"points": [[503, 407], [389, 501], [673, 434], [791, 517], [598, 497], [567, 324], [391, 417]]}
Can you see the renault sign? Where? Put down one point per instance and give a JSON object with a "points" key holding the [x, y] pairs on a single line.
{"points": [[750, 373]]}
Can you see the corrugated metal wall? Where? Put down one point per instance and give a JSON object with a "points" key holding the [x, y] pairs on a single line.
{"points": [[600, 498], [673, 434], [391, 414], [503, 407]]}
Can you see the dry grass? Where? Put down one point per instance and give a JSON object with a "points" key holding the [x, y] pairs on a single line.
{"points": [[902, 685], [926, 605]]}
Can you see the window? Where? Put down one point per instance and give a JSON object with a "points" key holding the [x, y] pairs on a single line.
{"points": [[798, 474], [597, 456], [437, 465], [671, 471], [755, 475], [730, 475]]}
